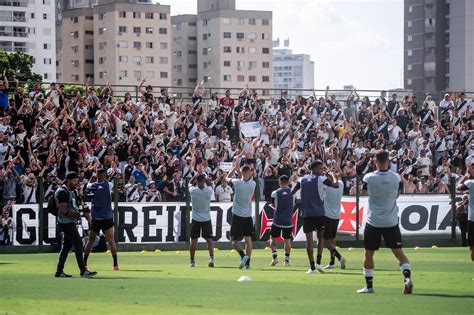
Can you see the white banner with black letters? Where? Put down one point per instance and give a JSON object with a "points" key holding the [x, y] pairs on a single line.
{"points": [[164, 222]]}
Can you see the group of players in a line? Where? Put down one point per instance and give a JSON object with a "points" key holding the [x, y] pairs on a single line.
{"points": [[319, 204]]}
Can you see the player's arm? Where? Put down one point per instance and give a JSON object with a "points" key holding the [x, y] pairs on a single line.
{"points": [[462, 186], [62, 205], [230, 176], [331, 181], [296, 188]]}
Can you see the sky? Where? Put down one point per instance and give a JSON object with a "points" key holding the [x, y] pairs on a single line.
{"points": [[352, 42]]}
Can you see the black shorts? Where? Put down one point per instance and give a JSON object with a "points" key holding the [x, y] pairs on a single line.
{"points": [[470, 233], [241, 226], [373, 237], [311, 224], [104, 225], [203, 229], [331, 228], [277, 231]]}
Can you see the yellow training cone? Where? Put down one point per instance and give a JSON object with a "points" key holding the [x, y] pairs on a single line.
{"points": [[351, 248], [267, 248], [178, 252], [216, 249], [434, 246], [338, 248], [417, 247], [108, 251], [233, 251], [157, 251], [144, 251]]}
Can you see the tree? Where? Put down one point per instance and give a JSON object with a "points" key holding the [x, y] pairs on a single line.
{"points": [[18, 65]]}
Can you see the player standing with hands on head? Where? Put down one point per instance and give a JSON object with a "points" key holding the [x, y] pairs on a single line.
{"points": [[312, 209], [382, 220], [102, 214], [467, 183], [282, 219], [242, 224], [201, 194], [68, 216]]}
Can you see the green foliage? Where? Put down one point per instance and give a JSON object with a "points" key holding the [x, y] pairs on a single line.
{"points": [[18, 65]]}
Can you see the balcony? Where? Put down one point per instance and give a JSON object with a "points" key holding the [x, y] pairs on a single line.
{"points": [[14, 3]]}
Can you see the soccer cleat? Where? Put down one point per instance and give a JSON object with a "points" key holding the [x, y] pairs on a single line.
{"points": [[329, 267], [310, 272], [192, 264], [343, 263], [115, 267], [274, 262], [62, 274], [243, 262], [246, 267], [88, 274], [211, 263], [408, 287], [287, 263], [319, 268], [366, 290]]}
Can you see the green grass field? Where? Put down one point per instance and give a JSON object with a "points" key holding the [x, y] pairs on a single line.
{"points": [[163, 283]]}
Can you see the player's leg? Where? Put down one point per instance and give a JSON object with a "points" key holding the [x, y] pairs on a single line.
{"points": [[470, 237], [275, 232], [247, 231], [195, 234], [287, 239], [372, 240], [109, 236], [319, 234], [393, 240], [88, 247], [207, 235], [235, 235], [309, 251]]}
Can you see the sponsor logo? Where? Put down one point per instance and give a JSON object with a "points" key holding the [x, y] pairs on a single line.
{"points": [[348, 217]]}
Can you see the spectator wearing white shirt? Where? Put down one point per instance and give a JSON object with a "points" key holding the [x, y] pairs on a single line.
{"points": [[224, 192]]}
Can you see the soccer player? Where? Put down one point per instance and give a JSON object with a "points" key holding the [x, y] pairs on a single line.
{"points": [[102, 214], [282, 219], [332, 210], [467, 183], [67, 221], [201, 193], [312, 210], [242, 224], [382, 220]]}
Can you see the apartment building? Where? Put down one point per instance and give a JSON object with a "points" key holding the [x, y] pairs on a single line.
{"points": [[29, 26]]}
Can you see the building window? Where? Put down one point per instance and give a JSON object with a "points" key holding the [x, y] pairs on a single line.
{"points": [[75, 63], [252, 36], [45, 16], [410, 23], [150, 59], [252, 78], [265, 64], [137, 45], [191, 23], [252, 65], [123, 59], [192, 66], [430, 22], [240, 36], [265, 78], [122, 44], [47, 61], [227, 35], [192, 38], [265, 50], [149, 45], [122, 14], [149, 74], [226, 21], [410, 38], [178, 68], [123, 73], [101, 30], [410, 10], [163, 16], [164, 75], [192, 52], [430, 66], [89, 32], [252, 22], [89, 61], [149, 30], [409, 81], [137, 30], [32, 15], [137, 60], [240, 65], [136, 15], [226, 63], [410, 52], [227, 49], [265, 22], [227, 77], [75, 34], [163, 45], [164, 60], [137, 75], [122, 29], [101, 16], [204, 36], [409, 67], [178, 53], [163, 30], [252, 50], [240, 50], [45, 46], [101, 60], [240, 78], [265, 36], [204, 22], [75, 20]]}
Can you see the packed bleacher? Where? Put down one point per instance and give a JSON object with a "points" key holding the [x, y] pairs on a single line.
{"points": [[153, 143]]}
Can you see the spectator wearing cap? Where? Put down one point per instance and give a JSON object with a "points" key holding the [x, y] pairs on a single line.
{"points": [[446, 104], [153, 194]]}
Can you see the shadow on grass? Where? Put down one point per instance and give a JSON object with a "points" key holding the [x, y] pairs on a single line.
{"points": [[143, 270], [112, 278], [456, 296], [6, 263]]}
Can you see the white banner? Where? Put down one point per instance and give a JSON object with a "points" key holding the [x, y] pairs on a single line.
{"points": [[250, 129], [164, 223], [226, 166]]}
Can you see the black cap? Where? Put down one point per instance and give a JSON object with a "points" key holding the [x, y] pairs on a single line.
{"points": [[101, 170], [71, 175]]}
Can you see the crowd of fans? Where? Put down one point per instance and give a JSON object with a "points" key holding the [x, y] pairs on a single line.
{"points": [[153, 143]]}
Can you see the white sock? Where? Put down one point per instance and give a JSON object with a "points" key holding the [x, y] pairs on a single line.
{"points": [[368, 272]]}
